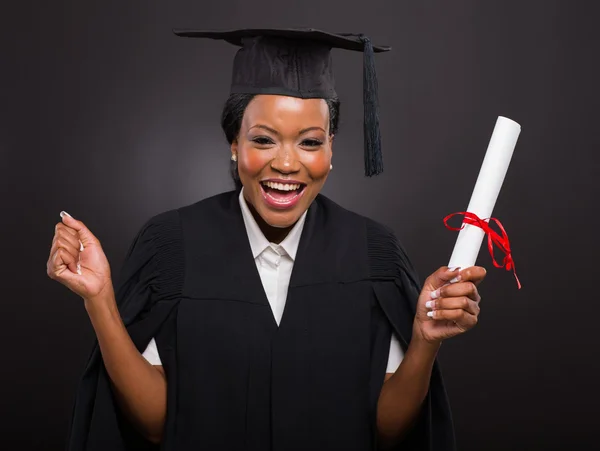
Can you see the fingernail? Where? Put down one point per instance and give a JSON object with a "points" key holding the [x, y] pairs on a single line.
{"points": [[430, 314], [78, 269], [435, 294], [456, 279], [80, 246], [63, 213], [429, 304], [454, 269]]}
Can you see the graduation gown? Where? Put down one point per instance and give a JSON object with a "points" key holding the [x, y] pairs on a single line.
{"points": [[236, 380]]}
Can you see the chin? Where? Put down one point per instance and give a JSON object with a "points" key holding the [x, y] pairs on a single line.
{"points": [[282, 220]]}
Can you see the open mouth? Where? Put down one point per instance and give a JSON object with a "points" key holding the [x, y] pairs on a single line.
{"points": [[282, 195]]}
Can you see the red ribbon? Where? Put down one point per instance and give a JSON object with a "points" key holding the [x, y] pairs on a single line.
{"points": [[493, 238]]}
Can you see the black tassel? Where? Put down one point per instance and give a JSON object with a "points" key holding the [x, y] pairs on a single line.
{"points": [[372, 136]]}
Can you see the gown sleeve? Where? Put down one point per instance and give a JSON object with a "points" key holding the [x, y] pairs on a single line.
{"points": [[147, 290], [397, 288]]}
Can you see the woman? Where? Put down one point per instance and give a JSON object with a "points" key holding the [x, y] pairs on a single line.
{"points": [[330, 343]]}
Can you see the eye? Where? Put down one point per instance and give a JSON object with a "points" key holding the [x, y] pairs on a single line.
{"points": [[311, 142], [263, 140]]}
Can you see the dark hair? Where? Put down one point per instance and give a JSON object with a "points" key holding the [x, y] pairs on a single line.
{"points": [[231, 122]]}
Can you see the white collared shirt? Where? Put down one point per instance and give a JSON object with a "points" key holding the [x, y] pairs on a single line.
{"points": [[274, 263]]}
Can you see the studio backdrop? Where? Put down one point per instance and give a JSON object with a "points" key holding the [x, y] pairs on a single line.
{"points": [[109, 116]]}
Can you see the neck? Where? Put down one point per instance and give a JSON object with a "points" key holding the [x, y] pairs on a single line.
{"points": [[273, 234]]}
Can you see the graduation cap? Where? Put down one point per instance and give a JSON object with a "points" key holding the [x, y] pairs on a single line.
{"points": [[297, 62]]}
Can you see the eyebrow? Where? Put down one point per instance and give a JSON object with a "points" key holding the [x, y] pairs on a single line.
{"points": [[275, 132]]}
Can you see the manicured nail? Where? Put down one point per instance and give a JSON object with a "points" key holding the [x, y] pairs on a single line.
{"points": [[63, 213], [430, 304], [435, 294], [80, 246], [430, 314], [456, 279], [78, 269]]}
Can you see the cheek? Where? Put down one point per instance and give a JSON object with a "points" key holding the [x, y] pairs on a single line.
{"points": [[252, 161], [317, 163]]}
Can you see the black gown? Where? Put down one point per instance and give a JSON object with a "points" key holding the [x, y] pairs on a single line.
{"points": [[237, 381]]}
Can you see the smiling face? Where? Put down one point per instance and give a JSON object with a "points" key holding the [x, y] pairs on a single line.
{"points": [[284, 155]]}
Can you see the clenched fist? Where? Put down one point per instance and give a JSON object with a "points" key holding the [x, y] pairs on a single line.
{"points": [[77, 259]]}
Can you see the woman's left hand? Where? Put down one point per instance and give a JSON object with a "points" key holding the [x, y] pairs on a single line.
{"points": [[446, 306]]}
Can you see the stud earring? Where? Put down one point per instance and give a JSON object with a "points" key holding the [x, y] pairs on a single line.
{"points": [[330, 167], [233, 157]]}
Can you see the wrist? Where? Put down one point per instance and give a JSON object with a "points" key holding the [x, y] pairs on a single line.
{"points": [[420, 343], [103, 302]]}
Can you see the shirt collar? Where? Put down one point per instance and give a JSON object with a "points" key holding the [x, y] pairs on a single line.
{"points": [[258, 241]]}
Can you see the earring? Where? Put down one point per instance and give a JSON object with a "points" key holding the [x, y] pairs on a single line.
{"points": [[330, 167], [233, 157]]}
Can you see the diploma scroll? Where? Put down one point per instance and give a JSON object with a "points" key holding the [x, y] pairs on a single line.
{"points": [[490, 179]]}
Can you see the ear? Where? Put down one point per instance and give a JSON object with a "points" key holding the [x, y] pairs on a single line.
{"points": [[234, 148]]}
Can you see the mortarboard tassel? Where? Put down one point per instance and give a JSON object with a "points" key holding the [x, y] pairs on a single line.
{"points": [[372, 136]]}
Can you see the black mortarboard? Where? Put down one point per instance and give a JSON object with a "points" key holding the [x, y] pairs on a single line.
{"points": [[297, 62]]}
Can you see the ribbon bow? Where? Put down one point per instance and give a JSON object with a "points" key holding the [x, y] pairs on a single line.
{"points": [[493, 238]]}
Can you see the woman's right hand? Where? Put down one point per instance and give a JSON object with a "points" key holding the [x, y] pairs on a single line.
{"points": [[85, 272], [139, 387]]}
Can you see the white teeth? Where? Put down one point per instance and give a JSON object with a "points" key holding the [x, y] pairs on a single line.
{"points": [[282, 186]]}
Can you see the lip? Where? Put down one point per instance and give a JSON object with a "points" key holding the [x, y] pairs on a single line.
{"points": [[289, 181], [290, 203]]}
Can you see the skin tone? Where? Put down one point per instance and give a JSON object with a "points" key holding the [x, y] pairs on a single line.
{"points": [[283, 138], [455, 310], [140, 388]]}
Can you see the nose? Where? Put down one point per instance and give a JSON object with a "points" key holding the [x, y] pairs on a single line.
{"points": [[285, 161]]}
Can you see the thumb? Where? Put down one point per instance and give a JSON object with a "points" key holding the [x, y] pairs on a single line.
{"points": [[72, 280], [86, 237], [441, 277]]}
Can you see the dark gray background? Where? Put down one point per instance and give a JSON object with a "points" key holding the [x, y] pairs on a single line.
{"points": [[107, 115]]}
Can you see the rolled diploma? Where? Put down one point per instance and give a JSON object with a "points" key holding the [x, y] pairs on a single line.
{"points": [[492, 173]]}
